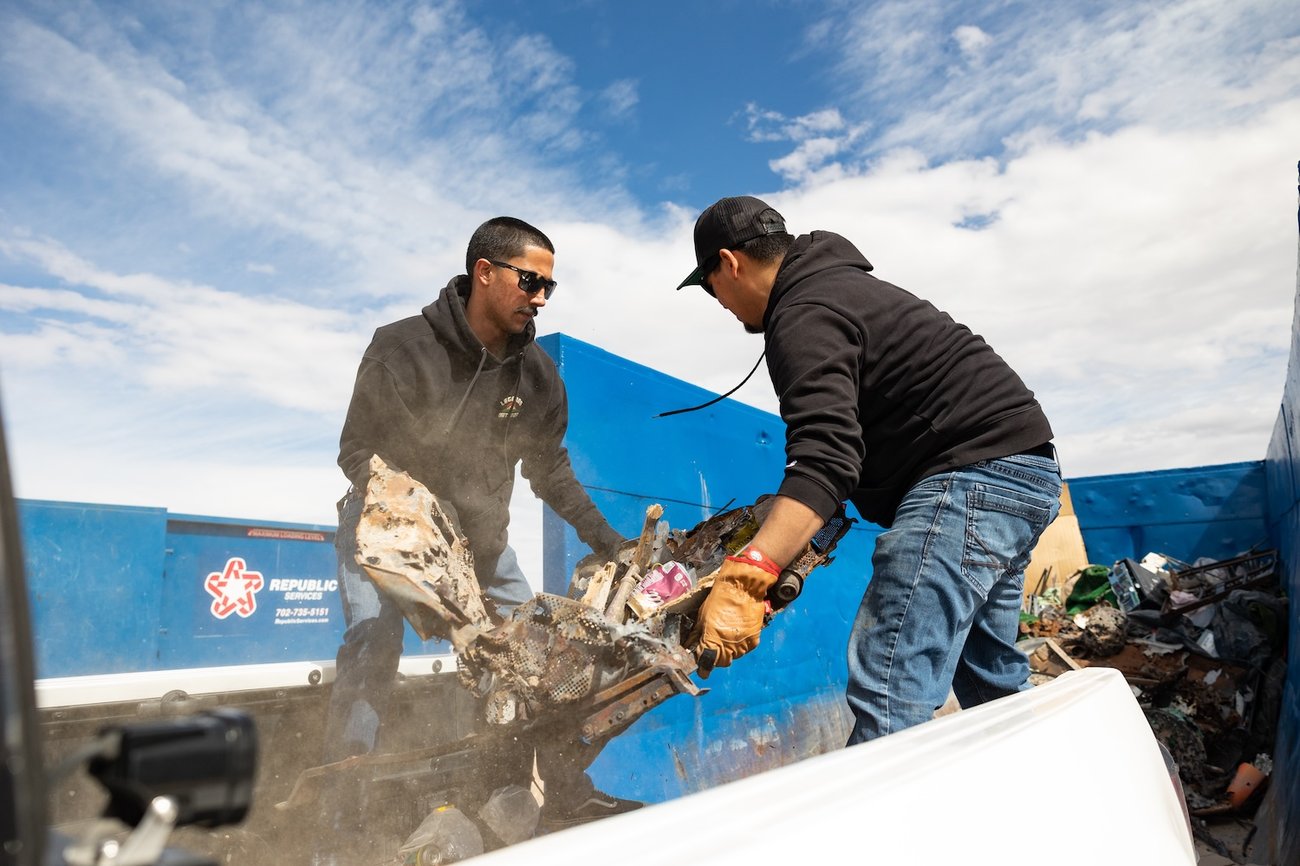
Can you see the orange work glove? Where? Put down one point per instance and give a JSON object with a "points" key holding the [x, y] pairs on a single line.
{"points": [[732, 614]]}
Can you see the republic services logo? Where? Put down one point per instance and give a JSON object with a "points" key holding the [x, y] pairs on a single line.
{"points": [[234, 589]]}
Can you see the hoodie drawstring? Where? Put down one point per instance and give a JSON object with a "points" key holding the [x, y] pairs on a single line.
{"points": [[460, 407], [519, 377]]}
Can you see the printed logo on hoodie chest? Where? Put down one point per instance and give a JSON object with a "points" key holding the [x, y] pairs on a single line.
{"points": [[509, 406]]}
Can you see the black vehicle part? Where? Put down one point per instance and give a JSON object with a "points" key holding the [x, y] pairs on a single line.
{"points": [[205, 764], [22, 779]]}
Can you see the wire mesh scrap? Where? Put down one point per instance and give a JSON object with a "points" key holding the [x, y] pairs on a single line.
{"points": [[600, 665]]}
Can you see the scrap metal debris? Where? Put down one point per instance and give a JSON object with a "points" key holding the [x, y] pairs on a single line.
{"points": [[597, 659], [1201, 644], [583, 666], [408, 545]]}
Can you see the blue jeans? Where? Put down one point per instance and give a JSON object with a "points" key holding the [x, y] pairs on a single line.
{"points": [[942, 608]]}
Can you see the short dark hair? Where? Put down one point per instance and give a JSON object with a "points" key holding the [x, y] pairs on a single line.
{"points": [[768, 248], [503, 238]]}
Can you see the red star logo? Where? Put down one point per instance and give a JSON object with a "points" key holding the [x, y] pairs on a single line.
{"points": [[233, 589]]}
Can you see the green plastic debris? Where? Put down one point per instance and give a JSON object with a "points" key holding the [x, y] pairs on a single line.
{"points": [[1092, 587]]}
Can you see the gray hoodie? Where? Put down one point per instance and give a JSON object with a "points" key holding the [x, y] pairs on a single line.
{"points": [[431, 400]]}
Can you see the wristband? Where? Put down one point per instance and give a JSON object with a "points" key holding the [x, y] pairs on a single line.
{"points": [[753, 556]]}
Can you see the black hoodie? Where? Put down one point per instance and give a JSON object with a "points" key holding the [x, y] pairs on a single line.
{"points": [[878, 388], [430, 399]]}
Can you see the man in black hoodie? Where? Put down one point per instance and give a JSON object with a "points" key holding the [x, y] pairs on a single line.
{"points": [[457, 397], [892, 405]]}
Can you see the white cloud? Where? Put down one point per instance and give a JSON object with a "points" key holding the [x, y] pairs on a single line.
{"points": [[766, 125], [972, 41], [373, 136], [1139, 275], [328, 146], [1130, 242], [1140, 282], [802, 164], [818, 136], [620, 98], [1180, 64], [177, 337]]}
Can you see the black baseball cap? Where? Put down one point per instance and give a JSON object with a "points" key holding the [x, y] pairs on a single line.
{"points": [[725, 225]]}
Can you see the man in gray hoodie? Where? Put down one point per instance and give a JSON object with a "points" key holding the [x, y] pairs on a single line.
{"points": [[457, 397]]}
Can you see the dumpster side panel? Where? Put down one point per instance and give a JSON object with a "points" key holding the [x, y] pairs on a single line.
{"points": [[117, 589], [1278, 818], [1207, 511], [1279, 814], [780, 704], [92, 576], [238, 594]]}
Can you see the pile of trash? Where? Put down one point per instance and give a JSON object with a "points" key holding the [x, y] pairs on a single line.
{"points": [[1202, 645], [594, 660], [573, 669]]}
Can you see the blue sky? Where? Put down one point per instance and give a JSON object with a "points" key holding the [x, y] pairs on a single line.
{"points": [[206, 209]]}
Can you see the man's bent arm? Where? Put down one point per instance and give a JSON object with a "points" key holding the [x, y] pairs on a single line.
{"points": [[789, 526]]}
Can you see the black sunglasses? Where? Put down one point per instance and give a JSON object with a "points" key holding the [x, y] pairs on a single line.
{"points": [[530, 283]]}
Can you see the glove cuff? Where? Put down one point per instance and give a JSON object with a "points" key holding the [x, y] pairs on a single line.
{"points": [[751, 555], [753, 575]]}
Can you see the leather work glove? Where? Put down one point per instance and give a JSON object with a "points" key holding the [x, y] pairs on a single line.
{"points": [[732, 614]]}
